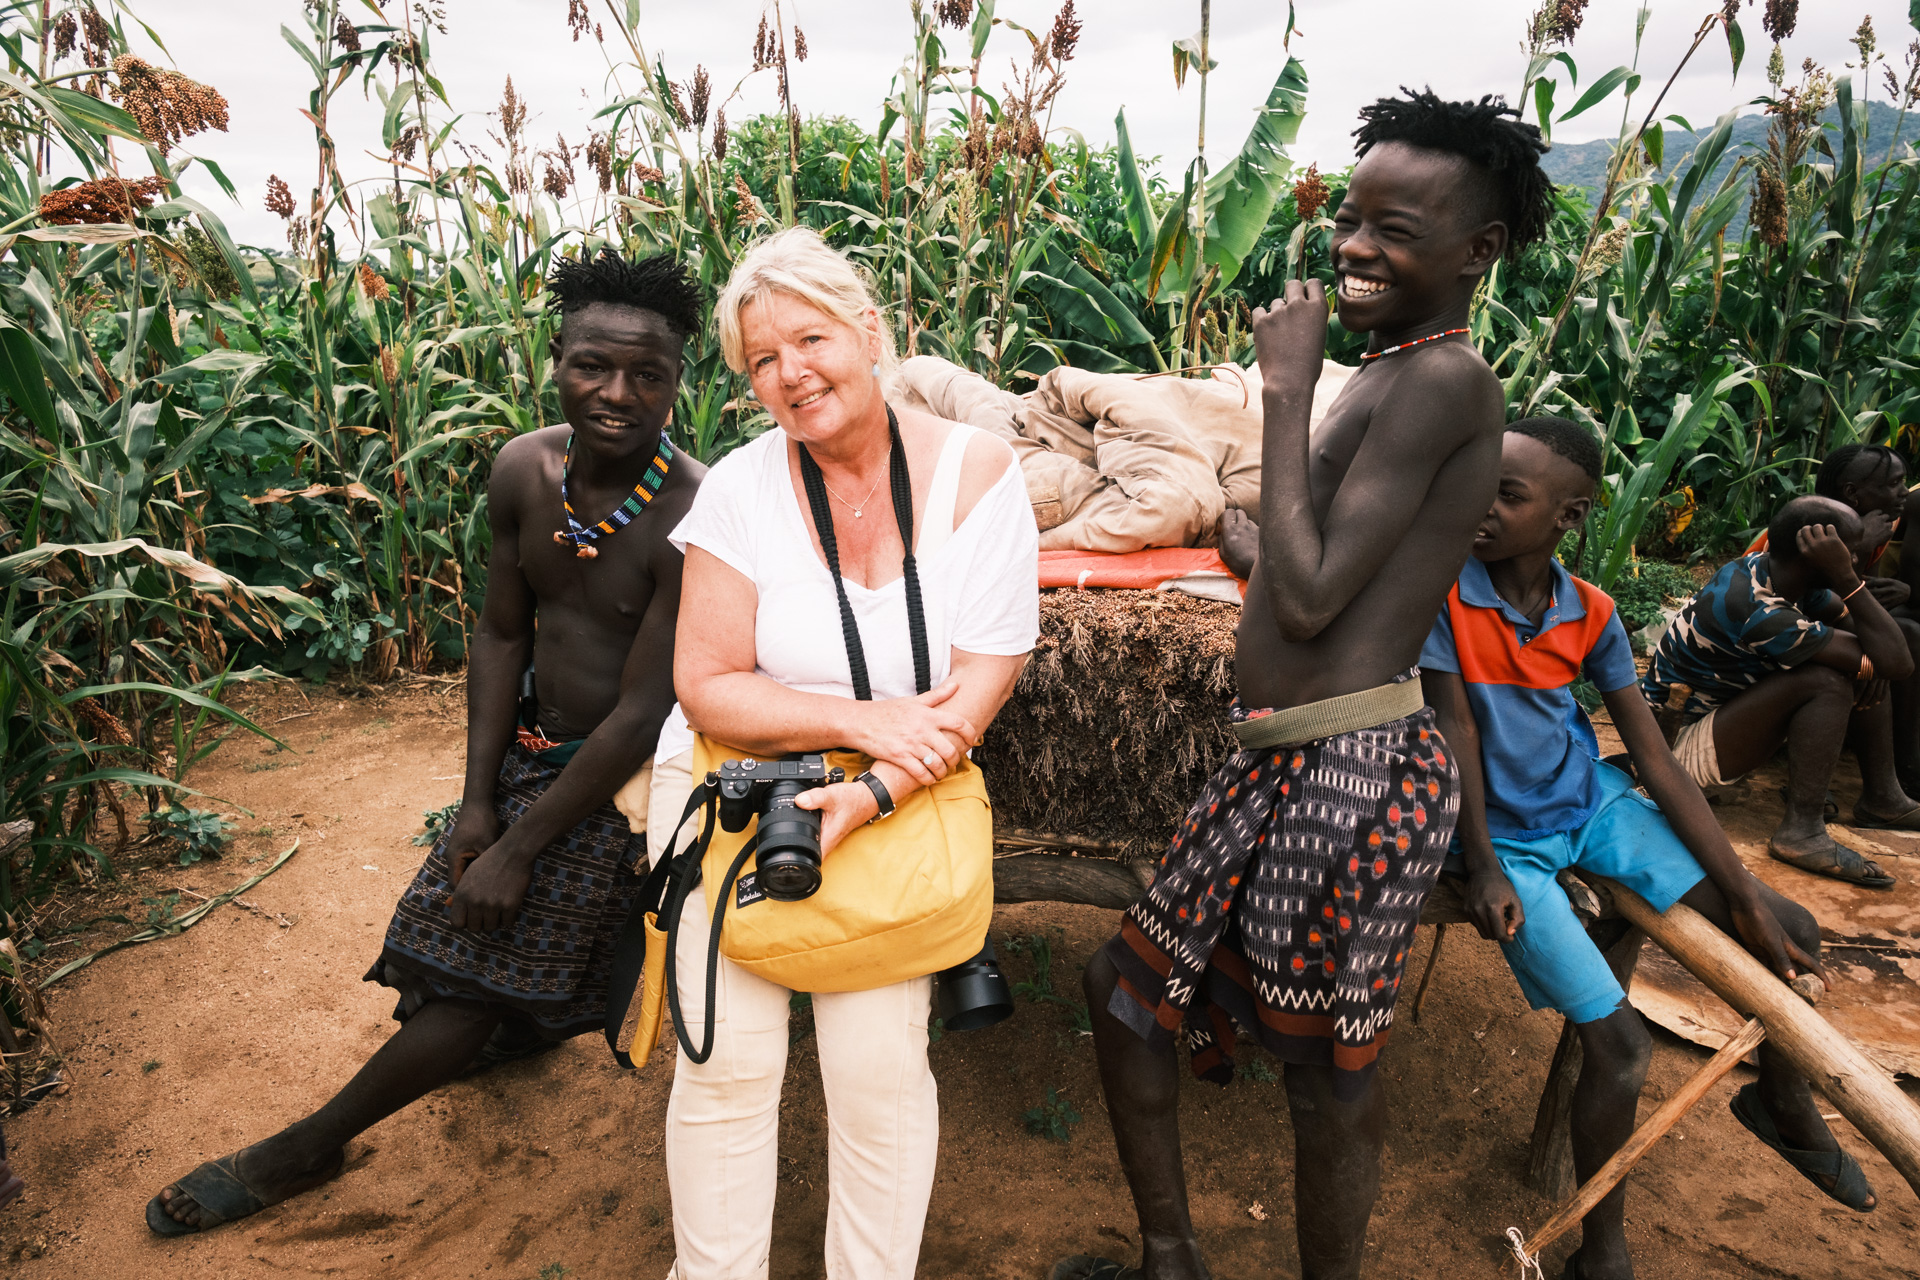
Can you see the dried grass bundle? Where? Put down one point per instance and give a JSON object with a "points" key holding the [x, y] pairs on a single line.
{"points": [[1119, 718]]}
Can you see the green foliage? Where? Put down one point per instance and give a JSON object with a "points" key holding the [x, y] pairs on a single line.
{"points": [[195, 833], [1053, 1119], [1038, 949], [437, 821], [219, 464]]}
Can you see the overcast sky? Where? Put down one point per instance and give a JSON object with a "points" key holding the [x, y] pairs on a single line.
{"points": [[1353, 53]]}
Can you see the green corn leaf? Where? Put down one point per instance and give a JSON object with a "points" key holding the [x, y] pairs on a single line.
{"points": [[99, 117], [1600, 88], [1736, 45], [983, 27], [1133, 188], [24, 381], [1242, 194]]}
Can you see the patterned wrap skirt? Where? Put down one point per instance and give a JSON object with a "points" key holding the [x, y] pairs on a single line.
{"points": [[548, 969], [1288, 899]]}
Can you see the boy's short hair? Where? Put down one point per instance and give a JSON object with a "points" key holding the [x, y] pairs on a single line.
{"points": [[1836, 466], [1565, 437], [658, 284], [1501, 150], [1783, 531]]}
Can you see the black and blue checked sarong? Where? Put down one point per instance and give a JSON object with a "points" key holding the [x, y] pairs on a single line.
{"points": [[549, 968]]}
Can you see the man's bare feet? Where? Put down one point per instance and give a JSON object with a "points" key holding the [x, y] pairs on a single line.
{"points": [[274, 1170]]}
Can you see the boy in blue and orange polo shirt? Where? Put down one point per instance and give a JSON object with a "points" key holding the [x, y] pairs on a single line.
{"points": [[1516, 631]]}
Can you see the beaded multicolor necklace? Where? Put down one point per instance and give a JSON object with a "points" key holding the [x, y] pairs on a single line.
{"points": [[584, 536], [1375, 355]]}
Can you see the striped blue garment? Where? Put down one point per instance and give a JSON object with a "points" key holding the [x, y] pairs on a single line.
{"points": [[1735, 632]]}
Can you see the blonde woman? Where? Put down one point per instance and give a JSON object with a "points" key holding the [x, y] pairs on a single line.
{"points": [[763, 664]]}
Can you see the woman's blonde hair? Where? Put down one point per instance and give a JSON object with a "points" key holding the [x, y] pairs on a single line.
{"points": [[797, 262]]}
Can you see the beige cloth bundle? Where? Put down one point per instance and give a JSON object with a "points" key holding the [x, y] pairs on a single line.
{"points": [[1119, 462]]}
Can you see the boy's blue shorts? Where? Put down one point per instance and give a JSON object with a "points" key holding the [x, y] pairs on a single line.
{"points": [[1627, 839]]}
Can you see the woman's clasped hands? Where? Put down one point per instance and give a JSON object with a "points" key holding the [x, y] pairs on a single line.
{"points": [[919, 736]]}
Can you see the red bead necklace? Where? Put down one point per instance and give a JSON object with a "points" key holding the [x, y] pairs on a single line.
{"points": [[1375, 355]]}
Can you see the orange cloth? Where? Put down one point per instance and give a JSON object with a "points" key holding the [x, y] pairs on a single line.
{"points": [[1148, 570]]}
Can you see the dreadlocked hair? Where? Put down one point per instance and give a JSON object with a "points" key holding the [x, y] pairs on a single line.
{"points": [[1842, 466], [1501, 150], [1565, 437], [658, 284]]}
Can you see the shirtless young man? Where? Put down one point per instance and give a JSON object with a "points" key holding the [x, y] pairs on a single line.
{"points": [[1288, 898], [490, 958]]}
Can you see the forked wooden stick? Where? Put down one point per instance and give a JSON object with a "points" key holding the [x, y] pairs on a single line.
{"points": [[1595, 1189], [1858, 1087]]}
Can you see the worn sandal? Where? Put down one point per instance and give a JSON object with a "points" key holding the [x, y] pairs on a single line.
{"points": [[1082, 1267], [1908, 821], [1849, 1181], [1837, 861], [222, 1194]]}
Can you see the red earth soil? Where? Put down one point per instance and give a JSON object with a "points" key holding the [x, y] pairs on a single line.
{"points": [[182, 1050]]}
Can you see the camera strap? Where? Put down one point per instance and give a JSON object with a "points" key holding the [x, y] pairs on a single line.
{"points": [[902, 485]]}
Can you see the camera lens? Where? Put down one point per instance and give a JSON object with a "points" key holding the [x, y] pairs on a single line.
{"points": [[789, 853], [973, 995]]}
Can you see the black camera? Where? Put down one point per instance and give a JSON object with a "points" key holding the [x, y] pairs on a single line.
{"points": [[789, 850], [972, 994]]}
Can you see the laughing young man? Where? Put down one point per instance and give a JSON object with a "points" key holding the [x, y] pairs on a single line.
{"points": [[1288, 898]]}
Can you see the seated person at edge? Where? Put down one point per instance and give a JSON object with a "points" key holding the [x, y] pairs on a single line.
{"points": [[1288, 898], [491, 959], [765, 664], [1787, 645], [1872, 479], [1516, 632]]}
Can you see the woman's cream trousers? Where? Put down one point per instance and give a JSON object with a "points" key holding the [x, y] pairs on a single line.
{"points": [[883, 1116]]}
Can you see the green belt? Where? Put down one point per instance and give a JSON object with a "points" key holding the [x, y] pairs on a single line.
{"points": [[1331, 717]]}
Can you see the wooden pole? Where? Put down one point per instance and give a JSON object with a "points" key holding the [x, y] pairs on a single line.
{"points": [[1861, 1091], [1595, 1189]]}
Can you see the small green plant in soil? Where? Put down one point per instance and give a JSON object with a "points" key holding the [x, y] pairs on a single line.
{"points": [[196, 833], [555, 1271], [437, 821], [1259, 1072], [1053, 1119], [1038, 948], [150, 1066]]}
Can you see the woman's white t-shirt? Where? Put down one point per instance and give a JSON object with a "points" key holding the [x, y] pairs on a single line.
{"points": [[979, 583]]}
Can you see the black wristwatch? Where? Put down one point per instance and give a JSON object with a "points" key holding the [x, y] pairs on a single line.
{"points": [[881, 795]]}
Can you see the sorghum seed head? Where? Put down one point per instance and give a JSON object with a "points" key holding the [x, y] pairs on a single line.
{"points": [[166, 105], [1780, 18], [747, 207], [102, 200], [279, 199], [373, 284], [1065, 34], [681, 119], [954, 13], [1769, 212], [66, 34], [346, 35], [1310, 193], [700, 91], [578, 18], [97, 36], [720, 136]]}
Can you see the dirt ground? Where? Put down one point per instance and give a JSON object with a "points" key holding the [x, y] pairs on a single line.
{"points": [[184, 1049]]}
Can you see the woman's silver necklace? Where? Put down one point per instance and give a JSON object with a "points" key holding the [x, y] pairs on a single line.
{"points": [[859, 510]]}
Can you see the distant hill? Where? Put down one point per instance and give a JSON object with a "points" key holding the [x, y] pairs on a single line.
{"points": [[1584, 164]]}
